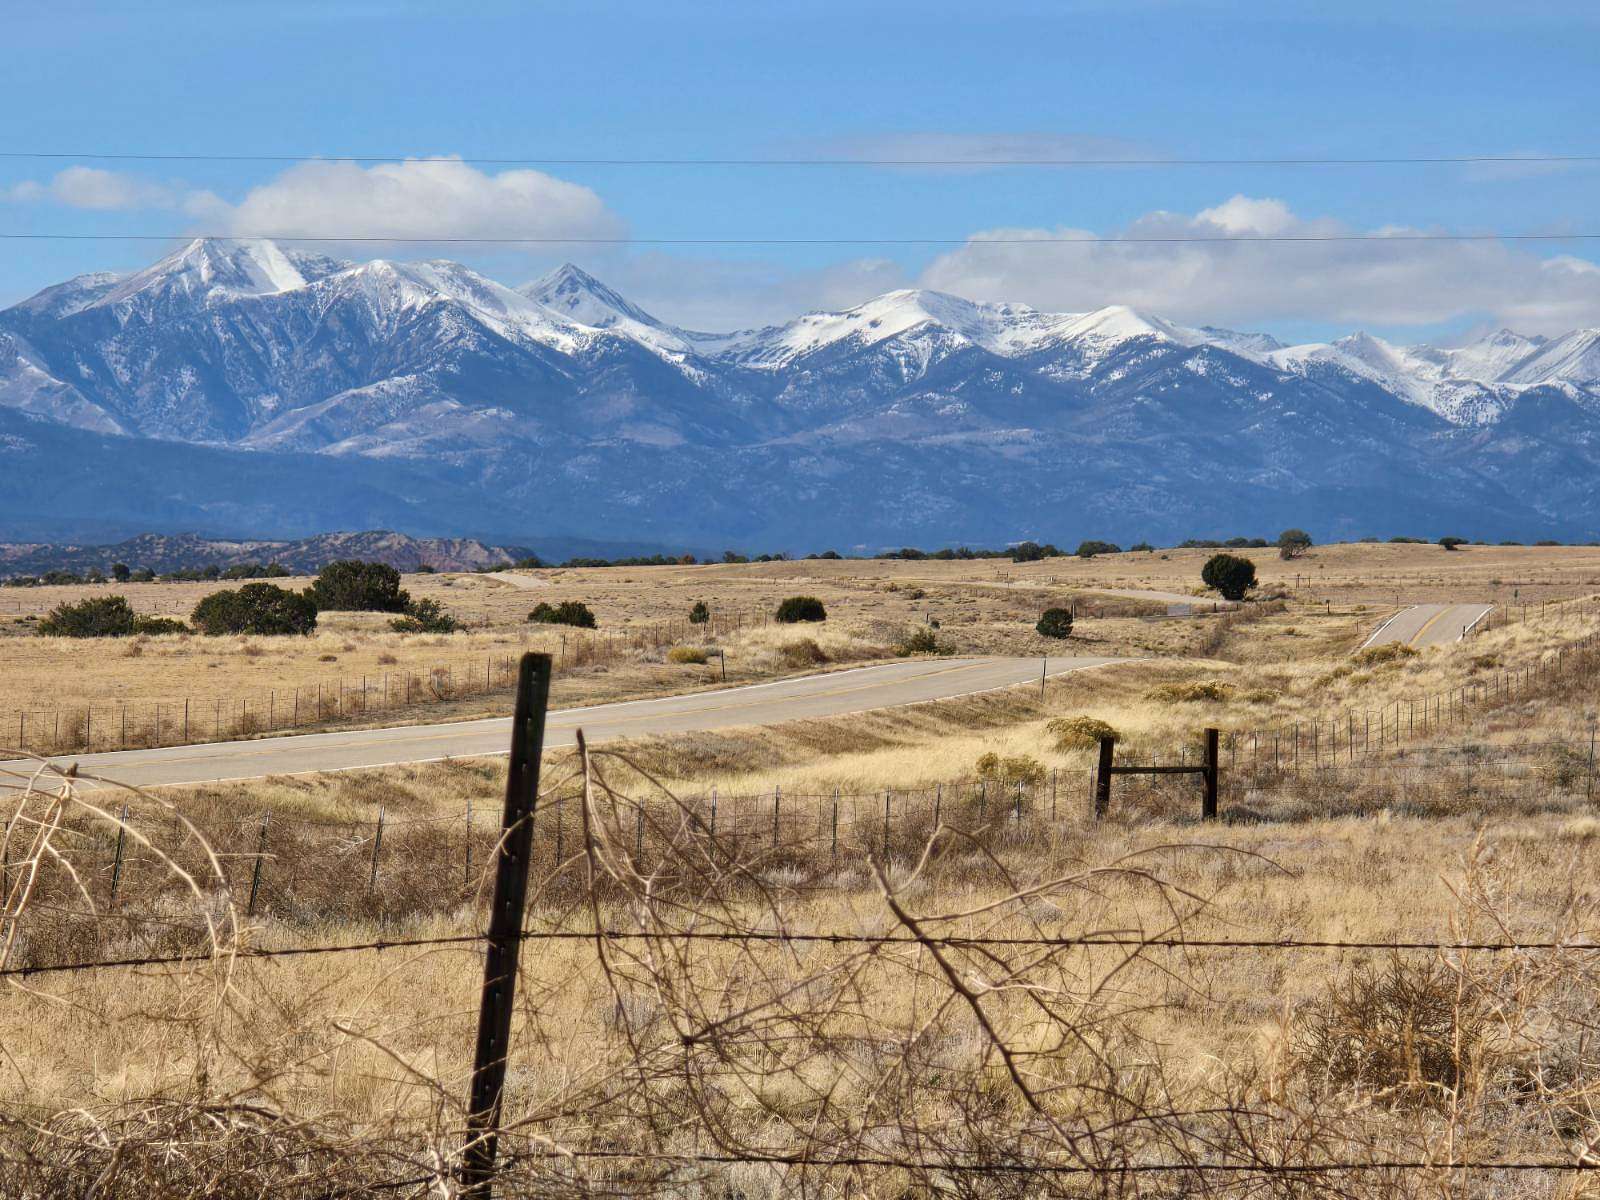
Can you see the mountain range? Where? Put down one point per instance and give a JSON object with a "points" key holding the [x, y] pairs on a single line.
{"points": [[249, 388], [175, 552]]}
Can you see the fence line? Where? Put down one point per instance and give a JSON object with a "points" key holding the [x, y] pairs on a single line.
{"points": [[190, 720], [814, 938]]}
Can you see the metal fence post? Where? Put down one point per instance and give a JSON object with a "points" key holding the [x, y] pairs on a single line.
{"points": [[505, 924], [377, 845], [255, 874], [116, 866]]}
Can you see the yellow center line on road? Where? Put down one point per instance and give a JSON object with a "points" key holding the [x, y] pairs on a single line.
{"points": [[260, 745], [1431, 622]]}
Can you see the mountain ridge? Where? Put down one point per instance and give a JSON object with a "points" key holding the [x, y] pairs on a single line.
{"points": [[563, 401]]}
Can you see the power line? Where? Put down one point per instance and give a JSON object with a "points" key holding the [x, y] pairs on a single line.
{"points": [[531, 160], [1251, 239]]}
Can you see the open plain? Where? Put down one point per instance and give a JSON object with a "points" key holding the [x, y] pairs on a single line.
{"points": [[838, 945]]}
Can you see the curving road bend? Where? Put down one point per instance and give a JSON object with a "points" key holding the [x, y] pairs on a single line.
{"points": [[863, 689], [1428, 625]]}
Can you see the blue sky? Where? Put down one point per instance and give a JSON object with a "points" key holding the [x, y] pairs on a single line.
{"points": [[597, 80]]}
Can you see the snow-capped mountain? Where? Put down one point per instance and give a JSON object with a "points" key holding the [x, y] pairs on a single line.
{"points": [[428, 397]]}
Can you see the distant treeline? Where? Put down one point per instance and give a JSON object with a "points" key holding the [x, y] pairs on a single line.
{"points": [[122, 573], [1020, 552]]}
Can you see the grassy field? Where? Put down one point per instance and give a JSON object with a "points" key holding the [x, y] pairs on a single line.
{"points": [[365, 674], [999, 1063]]}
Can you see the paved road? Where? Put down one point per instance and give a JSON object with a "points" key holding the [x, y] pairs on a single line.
{"points": [[914, 681], [1428, 624]]}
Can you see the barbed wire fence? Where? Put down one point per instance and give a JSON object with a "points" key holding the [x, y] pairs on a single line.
{"points": [[720, 1034]]}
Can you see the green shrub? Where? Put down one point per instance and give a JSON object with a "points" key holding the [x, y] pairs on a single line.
{"points": [[1452, 543], [1079, 732], [101, 616], [1032, 552], [568, 612], [800, 608], [425, 616], [351, 585], [1090, 548], [1055, 623], [686, 654], [1230, 574], [159, 625], [1292, 543], [920, 640], [259, 608], [700, 613]]}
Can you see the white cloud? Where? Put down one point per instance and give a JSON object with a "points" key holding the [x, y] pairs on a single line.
{"points": [[93, 188], [409, 200], [1388, 281]]}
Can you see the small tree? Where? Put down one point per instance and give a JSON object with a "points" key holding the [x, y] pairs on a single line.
{"points": [[351, 585], [800, 608], [1292, 543], [1027, 552], [102, 616], [120, 572], [1229, 574], [568, 612], [699, 614], [1091, 548], [1055, 623], [1452, 543], [425, 616], [259, 608]]}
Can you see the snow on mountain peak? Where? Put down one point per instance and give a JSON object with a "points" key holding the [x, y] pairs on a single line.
{"points": [[573, 291], [390, 287], [213, 269]]}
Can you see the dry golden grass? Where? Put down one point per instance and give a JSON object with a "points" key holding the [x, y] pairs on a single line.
{"points": [[312, 1075], [983, 607], [837, 1049]]}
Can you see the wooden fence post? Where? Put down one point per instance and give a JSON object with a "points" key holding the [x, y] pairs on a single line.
{"points": [[1102, 779], [505, 925], [1208, 811]]}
